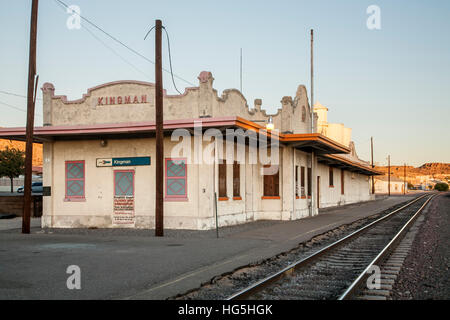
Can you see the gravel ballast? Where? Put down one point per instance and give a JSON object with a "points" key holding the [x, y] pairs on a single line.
{"points": [[425, 272]]}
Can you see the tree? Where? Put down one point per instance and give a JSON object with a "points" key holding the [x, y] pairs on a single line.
{"points": [[441, 186], [12, 164]]}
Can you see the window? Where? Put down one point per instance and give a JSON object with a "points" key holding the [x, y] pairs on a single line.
{"points": [[302, 181], [272, 182], [309, 181], [176, 179], [331, 177], [296, 181], [303, 114], [124, 183], [223, 181], [75, 180], [342, 181], [236, 181]]}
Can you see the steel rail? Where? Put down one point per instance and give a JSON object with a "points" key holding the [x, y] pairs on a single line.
{"points": [[384, 253], [259, 285]]}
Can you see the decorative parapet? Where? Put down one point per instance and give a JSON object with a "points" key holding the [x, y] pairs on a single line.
{"points": [[196, 102], [258, 104], [205, 77], [48, 88]]}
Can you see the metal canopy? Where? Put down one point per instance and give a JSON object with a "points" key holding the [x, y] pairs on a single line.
{"points": [[314, 146], [314, 142], [341, 163]]}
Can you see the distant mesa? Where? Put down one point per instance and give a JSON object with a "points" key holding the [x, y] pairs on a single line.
{"points": [[427, 172]]}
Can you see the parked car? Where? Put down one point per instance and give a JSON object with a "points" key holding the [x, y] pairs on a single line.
{"points": [[36, 187]]}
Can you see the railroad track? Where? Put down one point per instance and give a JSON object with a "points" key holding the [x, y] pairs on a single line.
{"points": [[340, 270]]}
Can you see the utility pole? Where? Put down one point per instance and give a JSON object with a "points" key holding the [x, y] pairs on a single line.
{"points": [[371, 150], [31, 99], [240, 72], [312, 124], [404, 179], [159, 202], [389, 175]]}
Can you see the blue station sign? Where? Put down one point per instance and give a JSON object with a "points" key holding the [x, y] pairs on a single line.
{"points": [[123, 162]]}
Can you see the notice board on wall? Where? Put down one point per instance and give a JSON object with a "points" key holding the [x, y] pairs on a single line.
{"points": [[123, 211], [124, 204]]}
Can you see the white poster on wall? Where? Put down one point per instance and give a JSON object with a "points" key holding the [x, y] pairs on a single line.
{"points": [[123, 213]]}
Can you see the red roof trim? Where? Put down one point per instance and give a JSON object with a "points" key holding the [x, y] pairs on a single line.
{"points": [[149, 126], [119, 127]]}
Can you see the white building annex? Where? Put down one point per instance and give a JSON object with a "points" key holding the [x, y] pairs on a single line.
{"points": [[397, 185], [99, 150]]}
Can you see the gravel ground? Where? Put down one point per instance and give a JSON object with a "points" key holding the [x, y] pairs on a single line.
{"points": [[223, 286], [425, 272]]}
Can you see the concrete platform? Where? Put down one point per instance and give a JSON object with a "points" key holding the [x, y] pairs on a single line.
{"points": [[133, 264], [16, 223]]}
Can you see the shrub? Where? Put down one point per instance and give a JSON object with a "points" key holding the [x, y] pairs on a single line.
{"points": [[441, 186]]}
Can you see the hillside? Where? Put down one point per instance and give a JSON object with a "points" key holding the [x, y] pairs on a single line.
{"points": [[37, 150], [434, 168], [425, 169], [422, 174]]}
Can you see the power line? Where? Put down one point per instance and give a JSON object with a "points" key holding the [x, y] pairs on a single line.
{"points": [[170, 56], [16, 108], [16, 95], [117, 54], [112, 50], [120, 42], [170, 59]]}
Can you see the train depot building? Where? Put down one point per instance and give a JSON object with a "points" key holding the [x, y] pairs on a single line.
{"points": [[99, 151]]}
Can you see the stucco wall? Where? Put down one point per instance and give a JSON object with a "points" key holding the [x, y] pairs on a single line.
{"points": [[381, 186], [356, 187], [133, 101], [196, 213], [202, 181], [203, 101], [98, 207], [335, 131]]}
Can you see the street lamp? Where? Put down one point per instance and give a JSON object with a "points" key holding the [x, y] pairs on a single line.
{"points": [[270, 125]]}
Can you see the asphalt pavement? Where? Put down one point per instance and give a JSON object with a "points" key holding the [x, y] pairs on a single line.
{"points": [[133, 264]]}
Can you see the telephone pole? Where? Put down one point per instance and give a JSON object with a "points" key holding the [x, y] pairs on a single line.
{"points": [[404, 179], [389, 175], [159, 172], [312, 124], [371, 150], [31, 99], [240, 72]]}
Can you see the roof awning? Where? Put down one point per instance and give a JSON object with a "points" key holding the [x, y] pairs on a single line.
{"points": [[347, 164], [305, 142], [316, 142], [115, 130]]}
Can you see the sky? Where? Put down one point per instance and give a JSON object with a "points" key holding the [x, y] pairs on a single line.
{"points": [[391, 83]]}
